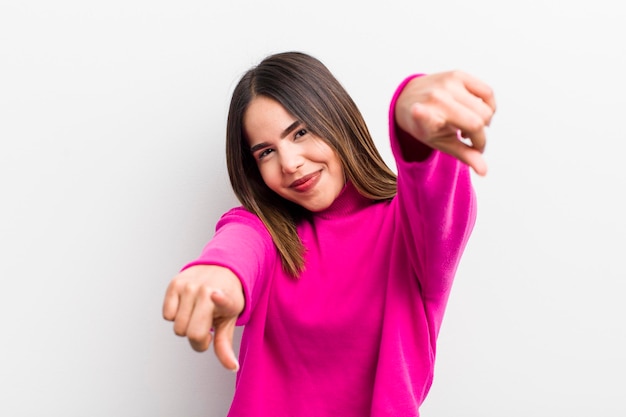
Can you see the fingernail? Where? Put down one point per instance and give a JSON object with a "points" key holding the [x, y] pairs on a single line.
{"points": [[236, 368]]}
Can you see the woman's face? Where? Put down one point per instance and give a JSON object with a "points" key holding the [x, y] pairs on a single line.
{"points": [[293, 162]]}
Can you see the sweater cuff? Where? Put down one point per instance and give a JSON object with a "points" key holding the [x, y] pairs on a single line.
{"points": [[404, 146]]}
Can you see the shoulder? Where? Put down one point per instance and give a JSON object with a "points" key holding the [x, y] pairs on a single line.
{"points": [[241, 217]]}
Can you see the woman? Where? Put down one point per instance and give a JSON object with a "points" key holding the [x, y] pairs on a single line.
{"points": [[339, 272]]}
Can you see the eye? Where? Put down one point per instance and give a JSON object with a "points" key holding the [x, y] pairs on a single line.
{"points": [[300, 133], [264, 153]]}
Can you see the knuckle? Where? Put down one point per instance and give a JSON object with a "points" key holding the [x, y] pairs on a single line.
{"points": [[456, 74], [488, 91], [192, 289], [200, 339], [194, 335], [475, 124], [198, 346], [436, 95], [178, 284], [188, 288], [452, 78], [487, 119], [204, 292], [437, 125], [179, 331]]}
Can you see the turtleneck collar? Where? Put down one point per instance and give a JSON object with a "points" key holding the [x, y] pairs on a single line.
{"points": [[347, 202]]}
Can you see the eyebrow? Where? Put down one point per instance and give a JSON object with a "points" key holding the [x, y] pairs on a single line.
{"points": [[285, 132]]}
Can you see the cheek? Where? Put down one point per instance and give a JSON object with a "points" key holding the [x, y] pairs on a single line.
{"points": [[270, 176], [323, 152], [334, 162]]}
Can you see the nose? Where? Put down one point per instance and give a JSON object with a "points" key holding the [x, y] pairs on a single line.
{"points": [[290, 159]]}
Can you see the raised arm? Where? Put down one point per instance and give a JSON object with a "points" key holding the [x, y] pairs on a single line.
{"points": [[429, 116]]}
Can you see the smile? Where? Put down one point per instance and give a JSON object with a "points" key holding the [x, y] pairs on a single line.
{"points": [[306, 183]]}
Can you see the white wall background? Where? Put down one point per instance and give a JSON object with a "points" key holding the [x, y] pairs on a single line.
{"points": [[112, 176]]}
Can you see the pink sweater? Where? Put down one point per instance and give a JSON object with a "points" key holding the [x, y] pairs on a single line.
{"points": [[356, 334]]}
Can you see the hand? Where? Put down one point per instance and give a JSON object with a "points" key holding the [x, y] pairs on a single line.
{"points": [[440, 109], [203, 297]]}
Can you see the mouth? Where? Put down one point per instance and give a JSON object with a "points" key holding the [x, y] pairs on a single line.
{"points": [[306, 183]]}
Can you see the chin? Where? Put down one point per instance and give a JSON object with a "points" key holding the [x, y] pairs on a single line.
{"points": [[317, 207]]}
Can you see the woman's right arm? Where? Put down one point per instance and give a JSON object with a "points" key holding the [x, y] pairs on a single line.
{"points": [[220, 289]]}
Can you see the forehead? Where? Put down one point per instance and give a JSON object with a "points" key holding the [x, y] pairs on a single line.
{"points": [[265, 119]]}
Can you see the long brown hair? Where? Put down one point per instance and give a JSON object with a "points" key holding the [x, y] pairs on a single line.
{"points": [[309, 92]]}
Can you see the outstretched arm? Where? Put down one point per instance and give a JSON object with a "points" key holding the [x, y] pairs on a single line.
{"points": [[441, 109], [205, 297]]}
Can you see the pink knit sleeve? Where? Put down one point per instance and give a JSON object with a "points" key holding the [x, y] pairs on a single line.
{"points": [[242, 244], [436, 211]]}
